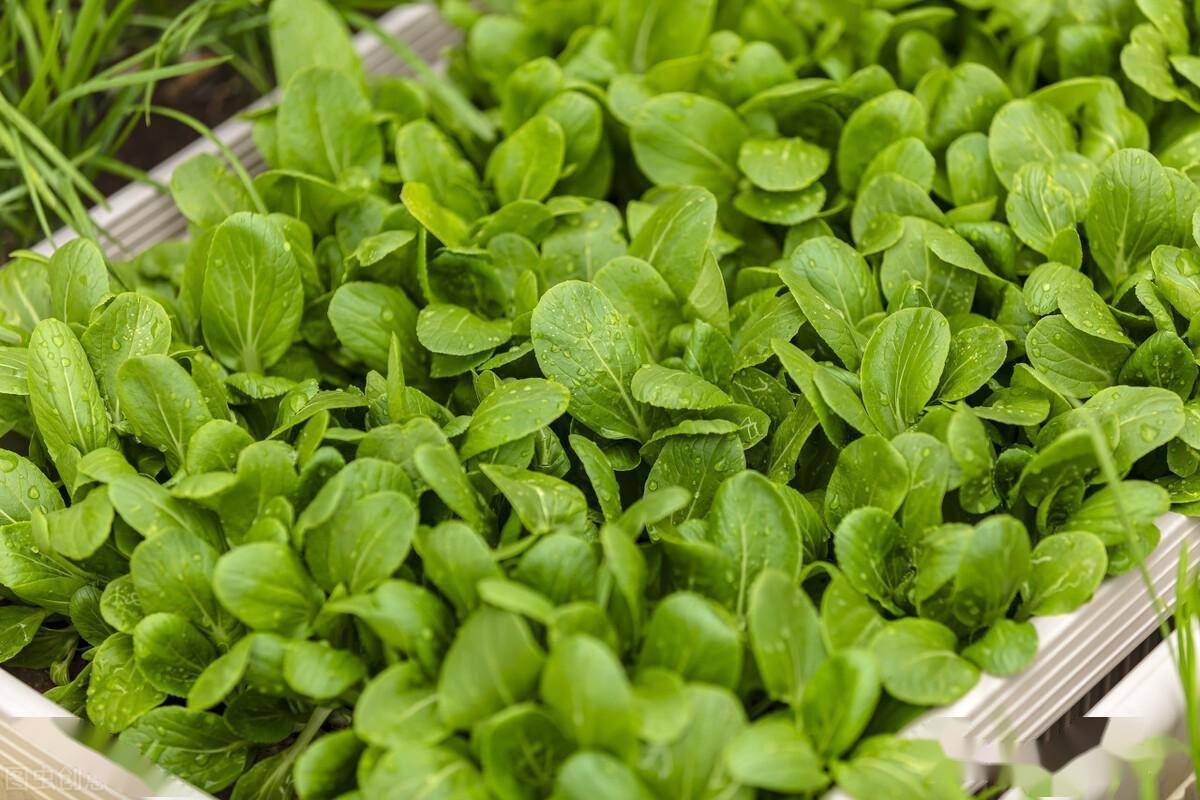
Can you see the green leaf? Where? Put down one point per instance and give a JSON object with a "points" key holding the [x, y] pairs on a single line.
{"points": [[520, 749], [884, 763], [690, 635], [683, 139], [398, 705], [366, 316], [1112, 510], [327, 768], [171, 652], [751, 521], [918, 663], [308, 33], [493, 663], [78, 280], [1066, 569], [264, 585], [197, 746], [162, 403], [663, 387], [902, 364], [774, 754], [152, 511], [64, 396], [544, 503], [674, 240], [512, 412], [839, 700], [780, 612], [316, 670], [131, 325], [441, 221], [662, 30], [1024, 131], [253, 297], [976, 353], [34, 576], [23, 489], [527, 164], [1073, 362], [436, 773], [325, 126], [871, 549], [582, 342], [118, 692], [872, 127], [18, 624], [372, 539], [585, 687], [80, 530], [1006, 648], [455, 331], [869, 472], [782, 165], [598, 776], [1129, 212], [172, 573]]}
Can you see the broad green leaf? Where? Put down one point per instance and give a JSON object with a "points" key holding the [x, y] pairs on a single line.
{"points": [[78, 280], [782, 165], [513, 411], [582, 342], [902, 364], [162, 403], [118, 692], [683, 139], [253, 298], [839, 700], [264, 585], [586, 689], [131, 325], [918, 663], [874, 125], [1129, 212], [493, 663], [64, 396], [780, 612], [774, 754], [1066, 569], [324, 126], [527, 164]]}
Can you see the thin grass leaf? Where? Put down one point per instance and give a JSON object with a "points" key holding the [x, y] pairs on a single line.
{"points": [[143, 79], [47, 148], [130, 173], [39, 91]]}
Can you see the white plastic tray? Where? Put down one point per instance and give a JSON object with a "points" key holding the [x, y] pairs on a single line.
{"points": [[1146, 706], [45, 752]]}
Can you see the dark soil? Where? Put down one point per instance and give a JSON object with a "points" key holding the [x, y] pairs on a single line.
{"points": [[36, 678]]}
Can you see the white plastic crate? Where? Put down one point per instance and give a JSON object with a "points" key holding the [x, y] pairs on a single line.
{"points": [[1145, 711]]}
